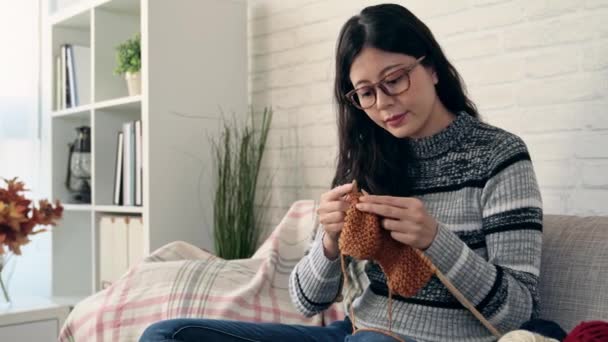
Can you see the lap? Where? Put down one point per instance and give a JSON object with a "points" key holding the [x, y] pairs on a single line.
{"points": [[372, 336], [186, 330]]}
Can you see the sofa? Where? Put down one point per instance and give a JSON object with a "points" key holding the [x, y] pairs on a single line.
{"points": [[574, 269], [181, 280]]}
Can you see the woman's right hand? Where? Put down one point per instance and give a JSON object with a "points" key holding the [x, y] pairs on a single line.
{"points": [[331, 211]]}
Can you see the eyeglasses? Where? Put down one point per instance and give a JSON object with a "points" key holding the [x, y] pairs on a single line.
{"points": [[395, 83]]}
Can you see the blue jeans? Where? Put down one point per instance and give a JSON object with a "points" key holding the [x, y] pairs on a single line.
{"points": [[209, 330]]}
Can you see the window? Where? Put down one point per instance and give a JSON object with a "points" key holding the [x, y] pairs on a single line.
{"points": [[20, 130]]}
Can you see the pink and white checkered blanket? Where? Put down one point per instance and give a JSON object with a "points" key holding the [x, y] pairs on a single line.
{"points": [[182, 281]]}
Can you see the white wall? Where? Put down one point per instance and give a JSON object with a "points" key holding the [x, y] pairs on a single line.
{"points": [[537, 68]]}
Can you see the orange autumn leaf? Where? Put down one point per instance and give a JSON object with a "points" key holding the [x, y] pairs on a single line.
{"points": [[18, 218]]}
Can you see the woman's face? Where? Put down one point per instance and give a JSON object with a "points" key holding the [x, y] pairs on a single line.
{"points": [[416, 112]]}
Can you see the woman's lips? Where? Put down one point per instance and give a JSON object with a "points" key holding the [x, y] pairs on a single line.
{"points": [[396, 120]]}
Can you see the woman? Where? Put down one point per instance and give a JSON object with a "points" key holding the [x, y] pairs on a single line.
{"points": [[461, 191]]}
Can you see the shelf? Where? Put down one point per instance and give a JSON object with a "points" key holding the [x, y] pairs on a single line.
{"points": [[123, 104], [79, 112], [72, 258], [118, 209], [74, 31], [115, 22], [171, 157], [129, 7], [103, 208], [74, 17], [76, 207]]}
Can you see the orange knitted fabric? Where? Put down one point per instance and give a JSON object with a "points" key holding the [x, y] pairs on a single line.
{"points": [[363, 238]]}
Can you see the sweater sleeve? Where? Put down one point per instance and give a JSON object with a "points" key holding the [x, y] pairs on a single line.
{"points": [[316, 281], [503, 287]]}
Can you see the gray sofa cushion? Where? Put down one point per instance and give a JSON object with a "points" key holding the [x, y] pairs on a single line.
{"points": [[574, 269]]}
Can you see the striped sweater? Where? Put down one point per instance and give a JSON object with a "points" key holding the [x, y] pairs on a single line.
{"points": [[478, 182]]}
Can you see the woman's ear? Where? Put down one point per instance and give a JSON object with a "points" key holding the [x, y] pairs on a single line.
{"points": [[431, 72], [434, 76]]}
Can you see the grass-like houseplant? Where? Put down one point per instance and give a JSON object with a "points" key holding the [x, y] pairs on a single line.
{"points": [[238, 155], [128, 60]]}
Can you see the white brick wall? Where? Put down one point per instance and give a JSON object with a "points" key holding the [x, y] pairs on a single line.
{"points": [[537, 68]]}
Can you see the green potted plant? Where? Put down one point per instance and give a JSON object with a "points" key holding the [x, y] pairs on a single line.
{"points": [[238, 152], [128, 59]]}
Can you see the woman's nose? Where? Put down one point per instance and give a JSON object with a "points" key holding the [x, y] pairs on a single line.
{"points": [[383, 100]]}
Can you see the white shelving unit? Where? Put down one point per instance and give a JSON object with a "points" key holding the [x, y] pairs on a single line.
{"points": [[194, 66]]}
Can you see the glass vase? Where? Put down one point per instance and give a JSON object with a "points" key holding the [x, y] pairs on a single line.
{"points": [[6, 271]]}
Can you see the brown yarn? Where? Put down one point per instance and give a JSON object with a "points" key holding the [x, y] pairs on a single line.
{"points": [[407, 269]]}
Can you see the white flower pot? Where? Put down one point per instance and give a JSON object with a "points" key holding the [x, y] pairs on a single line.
{"points": [[133, 83]]}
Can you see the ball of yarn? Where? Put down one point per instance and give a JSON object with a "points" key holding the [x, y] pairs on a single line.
{"points": [[592, 331], [524, 336]]}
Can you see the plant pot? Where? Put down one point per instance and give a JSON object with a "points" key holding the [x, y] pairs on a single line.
{"points": [[133, 83]]}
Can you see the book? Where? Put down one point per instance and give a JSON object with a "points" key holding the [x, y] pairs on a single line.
{"points": [[135, 240], [117, 198], [80, 60], [113, 249], [58, 103], [64, 95], [70, 84], [128, 182], [138, 164], [66, 78]]}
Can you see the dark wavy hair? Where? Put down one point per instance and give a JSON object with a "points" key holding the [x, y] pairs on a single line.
{"points": [[368, 153]]}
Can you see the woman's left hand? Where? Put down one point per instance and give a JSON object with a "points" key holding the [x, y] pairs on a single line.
{"points": [[405, 217]]}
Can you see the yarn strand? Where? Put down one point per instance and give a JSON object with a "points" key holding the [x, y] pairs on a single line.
{"points": [[346, 284], [352, 311], [459, 296]]}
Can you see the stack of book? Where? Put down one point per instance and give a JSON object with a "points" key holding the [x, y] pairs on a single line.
{"points": [[72, 76], [128, 170]]}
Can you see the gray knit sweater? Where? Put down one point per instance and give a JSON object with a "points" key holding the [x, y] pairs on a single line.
{"points": [[478, 182]]}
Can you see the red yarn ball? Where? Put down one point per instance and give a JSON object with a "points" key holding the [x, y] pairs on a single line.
{"points": [[592, 331]]}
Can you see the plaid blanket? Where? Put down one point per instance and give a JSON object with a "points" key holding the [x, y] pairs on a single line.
{"points": [[181, 281]]}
